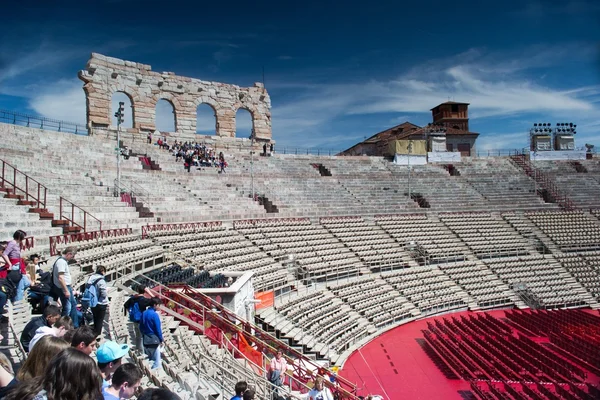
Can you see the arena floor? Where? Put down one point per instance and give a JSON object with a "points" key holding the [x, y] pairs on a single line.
{"points": [[396, 367]]}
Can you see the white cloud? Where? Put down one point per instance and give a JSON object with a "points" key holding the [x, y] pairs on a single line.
{"points": [[488, 96], [501, 141], [399, 120], [495, 85], [63, 100], [23, 62]]}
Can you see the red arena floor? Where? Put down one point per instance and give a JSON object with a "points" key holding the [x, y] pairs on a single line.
{"points": [[396, 366]]}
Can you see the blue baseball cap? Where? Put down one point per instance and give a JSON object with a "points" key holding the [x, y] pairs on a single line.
{"points": [[111, 351]]}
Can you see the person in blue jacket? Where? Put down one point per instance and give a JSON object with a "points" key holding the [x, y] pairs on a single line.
{"points": [[152, 332]]}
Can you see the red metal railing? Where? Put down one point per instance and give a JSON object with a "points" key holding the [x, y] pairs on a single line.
{"points": [[55, 241], [216, 320], [65, 205], [28, 243], [544, 180], [176, 227], [126, 198], [29, 187], [268, 221]]}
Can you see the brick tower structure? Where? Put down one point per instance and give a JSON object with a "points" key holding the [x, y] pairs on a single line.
{"points": [[452, 115]]}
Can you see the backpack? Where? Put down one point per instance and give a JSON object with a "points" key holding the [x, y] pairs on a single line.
{"points": [[89, 299], [135, 314], [8, 287], [15, 276], [53, 260]]}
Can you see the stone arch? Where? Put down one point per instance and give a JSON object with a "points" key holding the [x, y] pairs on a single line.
{"points": [[259, 119], [168, 97], [102, 76], [204, 124], [161, 100], [129, 121], [242, 129]]}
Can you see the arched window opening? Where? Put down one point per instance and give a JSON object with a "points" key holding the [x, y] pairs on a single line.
{"points": [[206, 120], [165, 116], [243, 123], [118, 97]]}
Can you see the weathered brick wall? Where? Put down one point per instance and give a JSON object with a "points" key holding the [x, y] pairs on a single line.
{"points": [[104, 76]]}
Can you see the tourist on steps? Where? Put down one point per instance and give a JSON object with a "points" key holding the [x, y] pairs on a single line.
{"points": [[152, 332]]}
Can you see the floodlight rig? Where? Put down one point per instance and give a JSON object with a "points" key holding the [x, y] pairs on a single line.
{"points": [[564, 135], [536, 134], [565, 127], [252, 163]]}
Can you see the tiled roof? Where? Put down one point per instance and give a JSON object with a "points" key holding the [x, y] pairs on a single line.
{"points": [[386, 134], [404, 130], [450, 102]]}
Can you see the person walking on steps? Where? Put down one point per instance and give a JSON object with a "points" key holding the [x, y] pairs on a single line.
{"points": [[61, 287], [152, 332]]}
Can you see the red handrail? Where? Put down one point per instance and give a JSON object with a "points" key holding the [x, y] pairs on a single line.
{"points": [[177, 226], [227, 321], [38, 193], [83, 236], [72, 219], [544, 180], [28, 243]]}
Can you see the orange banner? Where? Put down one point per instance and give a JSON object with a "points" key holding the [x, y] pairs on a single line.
{"points": [[250, 352], [267, 299]]}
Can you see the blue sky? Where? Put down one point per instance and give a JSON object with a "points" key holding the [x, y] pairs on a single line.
{"points": [[336, 71]]}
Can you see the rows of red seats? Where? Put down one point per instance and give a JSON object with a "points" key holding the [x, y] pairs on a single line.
{"points": [[537, 391], [503, 362]]}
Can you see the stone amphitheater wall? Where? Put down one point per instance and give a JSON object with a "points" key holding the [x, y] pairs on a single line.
{"points": [[104, 76]]}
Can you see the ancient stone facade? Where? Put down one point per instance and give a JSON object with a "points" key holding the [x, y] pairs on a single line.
{"points": [[104, 76]]}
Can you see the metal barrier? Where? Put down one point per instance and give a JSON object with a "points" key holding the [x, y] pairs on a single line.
{"points": [[212, 314], [233, 365], [28, 243], [33, 121], [71, 218], [308, 151], [55, 241], [146, 230], [32, 190]]}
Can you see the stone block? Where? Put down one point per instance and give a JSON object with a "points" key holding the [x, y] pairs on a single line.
{"points": [[141, 83]]}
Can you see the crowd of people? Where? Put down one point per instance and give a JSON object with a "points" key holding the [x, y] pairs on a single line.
{"points": [[193, 154], [60, 365], [200, 155], [61, 341]]}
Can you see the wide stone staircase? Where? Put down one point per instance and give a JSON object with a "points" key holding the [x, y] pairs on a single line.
{"points": [[78, 187]]}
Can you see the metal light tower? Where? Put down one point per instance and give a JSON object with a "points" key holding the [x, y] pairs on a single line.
{"points": [[534, 172], [409, 152], [252, 163], [120, 115]]}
